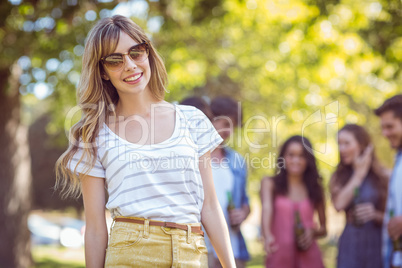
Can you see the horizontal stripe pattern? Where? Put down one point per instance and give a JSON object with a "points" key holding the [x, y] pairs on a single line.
{"points": [[142, 173], [81, 166], [133, 189], [159, 181]]}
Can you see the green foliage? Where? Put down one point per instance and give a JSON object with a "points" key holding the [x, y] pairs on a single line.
{"points": [[282, 59], [291, 59]]}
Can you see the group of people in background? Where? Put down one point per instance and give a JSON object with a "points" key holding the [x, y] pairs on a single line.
{"points": [[368, 193], [158, 210], [229, 179]]}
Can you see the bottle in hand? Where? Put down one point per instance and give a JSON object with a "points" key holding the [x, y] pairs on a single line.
{"points": [[396, 256], [299, 229], [356, 201], [231, 207]]}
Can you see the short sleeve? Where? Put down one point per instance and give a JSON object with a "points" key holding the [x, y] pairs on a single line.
{"points": [[207, 138], [97, 171]]}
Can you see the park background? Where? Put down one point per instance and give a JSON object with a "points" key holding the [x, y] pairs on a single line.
{"points": [[297, 67]]}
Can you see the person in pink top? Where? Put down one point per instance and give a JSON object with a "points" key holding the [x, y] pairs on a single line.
{"points": [[294, 193]]}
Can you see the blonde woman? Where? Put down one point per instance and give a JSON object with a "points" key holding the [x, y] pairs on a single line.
{"points": [[152, 157]]}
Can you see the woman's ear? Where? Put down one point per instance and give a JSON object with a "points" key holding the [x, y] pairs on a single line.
{"points": [[105, 76]]}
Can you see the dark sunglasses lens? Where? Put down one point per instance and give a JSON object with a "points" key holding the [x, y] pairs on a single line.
{"points": [[114, 62], [139, 53]]}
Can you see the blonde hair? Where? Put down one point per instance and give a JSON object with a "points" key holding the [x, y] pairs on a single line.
{"points": [[95, 95]]}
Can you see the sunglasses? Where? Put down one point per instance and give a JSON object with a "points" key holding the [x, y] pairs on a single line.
{"points": [[115, 62]]}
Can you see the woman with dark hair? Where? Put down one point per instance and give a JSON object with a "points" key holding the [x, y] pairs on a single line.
{"points": [[289, 201], [359, 187]]}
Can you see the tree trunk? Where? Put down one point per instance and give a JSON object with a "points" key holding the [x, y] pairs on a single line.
{"points": [[15, 176]]}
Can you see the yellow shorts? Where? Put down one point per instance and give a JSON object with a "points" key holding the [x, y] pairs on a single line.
{"points": [[144, 245]]}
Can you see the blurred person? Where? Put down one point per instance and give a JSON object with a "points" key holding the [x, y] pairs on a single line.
{"points": [[128, 142], [289, 201], [199, 103], [359, 187], [230, 179], [390, 113]]}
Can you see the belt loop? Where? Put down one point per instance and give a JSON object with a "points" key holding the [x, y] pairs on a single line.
{"points": [[188, 233], [112, 225], [146, 228]]}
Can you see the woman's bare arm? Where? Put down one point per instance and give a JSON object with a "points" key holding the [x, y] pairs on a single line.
{"points": [[212, 216], [267, 197], [322, 230], [96, 236], [342, 196]]}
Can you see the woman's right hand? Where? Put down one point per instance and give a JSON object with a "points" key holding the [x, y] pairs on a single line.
{"points": [[364, 212], [269, 245], [362, 163]]}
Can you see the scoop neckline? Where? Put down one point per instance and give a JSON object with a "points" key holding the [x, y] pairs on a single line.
{"points": [[174, 134], [294, 201]]}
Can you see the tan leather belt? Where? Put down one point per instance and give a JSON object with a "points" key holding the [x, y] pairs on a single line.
{"points": [[194, 229]]}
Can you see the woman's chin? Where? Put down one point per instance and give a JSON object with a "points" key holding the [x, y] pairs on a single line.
{"points": [[295, 172], [346, 162]]}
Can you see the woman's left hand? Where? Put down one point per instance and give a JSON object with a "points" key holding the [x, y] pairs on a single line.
{"points": [[364, 212], [395, 227], [306, 239]]}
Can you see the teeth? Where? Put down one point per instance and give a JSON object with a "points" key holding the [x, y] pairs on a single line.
{"points": [[132, 78]]}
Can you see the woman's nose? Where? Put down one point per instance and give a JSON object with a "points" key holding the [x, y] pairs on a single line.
{"points": [[129, 63]]}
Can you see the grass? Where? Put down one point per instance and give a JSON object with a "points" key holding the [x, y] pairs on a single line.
{"points": [[59, 257], [328, 250], [55, 256]]}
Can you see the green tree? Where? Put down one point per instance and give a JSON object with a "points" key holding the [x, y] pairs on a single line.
{"points": [[287, 59], [31, 32], [284, 59]]}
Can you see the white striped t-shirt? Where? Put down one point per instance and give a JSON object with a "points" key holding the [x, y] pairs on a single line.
{"points": [[157, 181]]}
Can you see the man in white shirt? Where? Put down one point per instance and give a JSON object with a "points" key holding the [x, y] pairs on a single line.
{"points": [[390, 113]]}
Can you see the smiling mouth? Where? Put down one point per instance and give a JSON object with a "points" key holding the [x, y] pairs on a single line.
{"points": [[133, 78]]}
